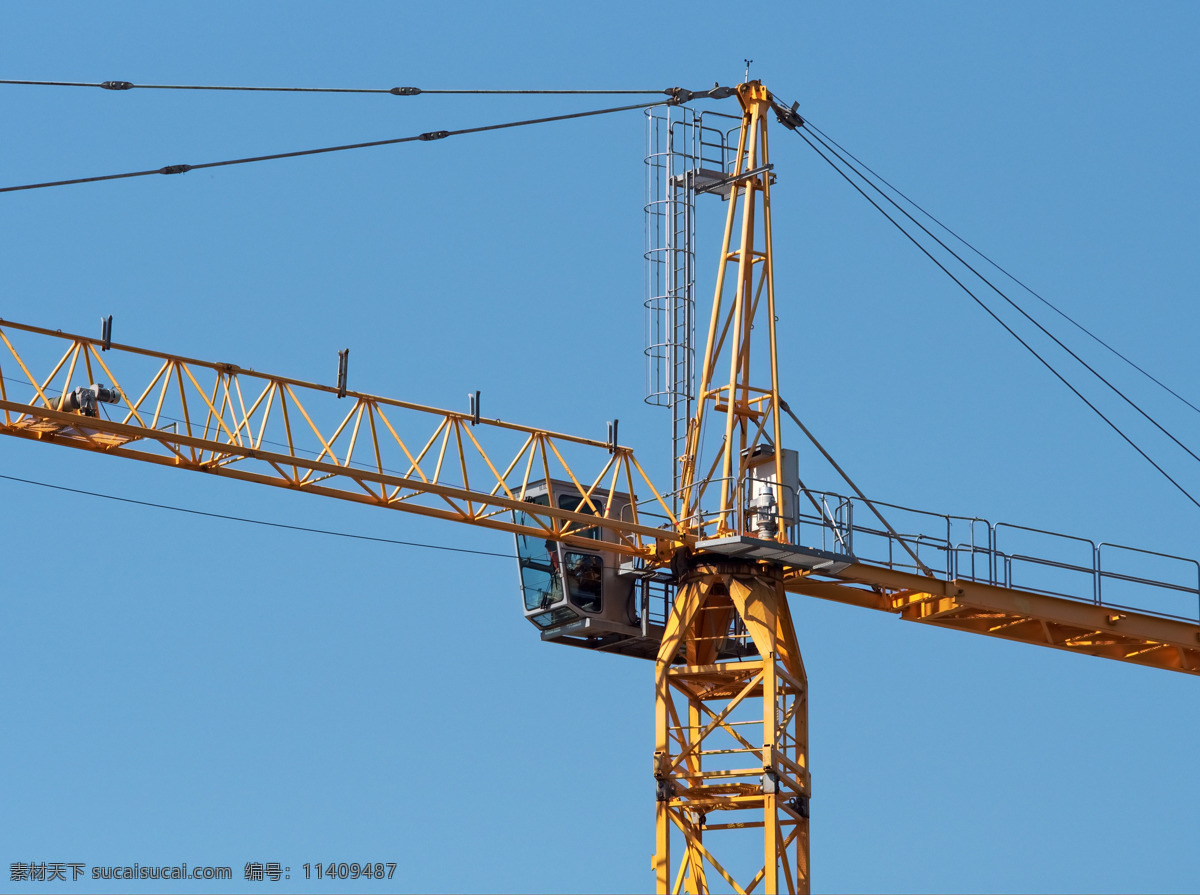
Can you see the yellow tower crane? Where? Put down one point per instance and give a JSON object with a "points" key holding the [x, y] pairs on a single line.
{"points": [[595, 539]]}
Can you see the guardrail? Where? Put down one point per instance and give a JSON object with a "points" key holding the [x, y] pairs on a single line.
{"points": [[970, 548], [1015, 556]]}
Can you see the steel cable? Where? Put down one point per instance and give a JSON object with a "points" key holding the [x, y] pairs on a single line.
{"points": [[995, 317], [1015, 306], [229, 518], [425, 137], [829, 140], [394, 91]]}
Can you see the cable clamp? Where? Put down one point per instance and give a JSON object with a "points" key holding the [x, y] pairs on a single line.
{"points": [[175, 169], [405, 91], [434, 135], [679, 95], [117, 85], [789, 118]]}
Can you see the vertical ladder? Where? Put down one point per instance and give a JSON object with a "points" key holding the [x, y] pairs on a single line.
{"points": [[679, 145]]}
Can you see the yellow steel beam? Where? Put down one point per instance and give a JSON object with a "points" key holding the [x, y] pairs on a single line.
{"points": [[1072, 625], [192, 414], [713, 501], [731, 736]]}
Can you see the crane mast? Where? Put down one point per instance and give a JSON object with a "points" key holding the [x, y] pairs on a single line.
{"points": [[730, 762], [731, 738], [745, 412]]}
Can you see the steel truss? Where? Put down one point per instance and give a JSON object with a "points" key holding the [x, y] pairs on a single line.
{"points": [[731, 736], [744, 414], [276, 430]]}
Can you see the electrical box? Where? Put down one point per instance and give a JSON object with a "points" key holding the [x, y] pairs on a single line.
{"points": [[770, 500]]}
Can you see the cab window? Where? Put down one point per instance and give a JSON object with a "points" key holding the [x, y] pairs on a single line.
{"points": [[541, 579], [584, 573]]}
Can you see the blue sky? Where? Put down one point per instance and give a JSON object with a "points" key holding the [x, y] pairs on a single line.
{"points": [[180, 689]]}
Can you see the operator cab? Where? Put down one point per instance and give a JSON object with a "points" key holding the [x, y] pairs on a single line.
{"points": [[570, 590]]}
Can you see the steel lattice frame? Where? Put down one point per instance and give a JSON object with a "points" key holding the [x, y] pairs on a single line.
{"points": [[697, 702], [744, 414], [731, 735], [224, 420]]}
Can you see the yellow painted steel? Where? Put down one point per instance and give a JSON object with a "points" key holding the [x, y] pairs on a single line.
{"points": [[1038, 619], [740, 414], [731, 736], [258, 427]]}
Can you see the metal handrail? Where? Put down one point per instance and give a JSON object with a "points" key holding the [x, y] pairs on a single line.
{"points": [[830, 521], [999, 564]]}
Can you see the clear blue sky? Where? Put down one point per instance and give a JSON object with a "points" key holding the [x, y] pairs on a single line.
{"points": [[179, 689]]}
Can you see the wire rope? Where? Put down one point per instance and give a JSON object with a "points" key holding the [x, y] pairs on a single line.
{"points": [[424, 137], [1017, 307], [818, 132], [1006, 327], [227, 517], [394, 91]]}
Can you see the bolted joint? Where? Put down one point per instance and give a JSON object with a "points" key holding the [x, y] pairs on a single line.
{"points": [[664, 790], [770, 782], [799, 805], [405, 91], [434, 135], [116, 85], [678, 96]]}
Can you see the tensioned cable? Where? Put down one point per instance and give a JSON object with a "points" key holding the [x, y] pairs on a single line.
{"points": [[1015, 306], [783, 405], [425, 137], [394, 91], [828, 139], [318, 531], [1007, 328]]}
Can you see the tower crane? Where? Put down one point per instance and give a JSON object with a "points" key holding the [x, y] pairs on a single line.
{"points": [[694, 578]]}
